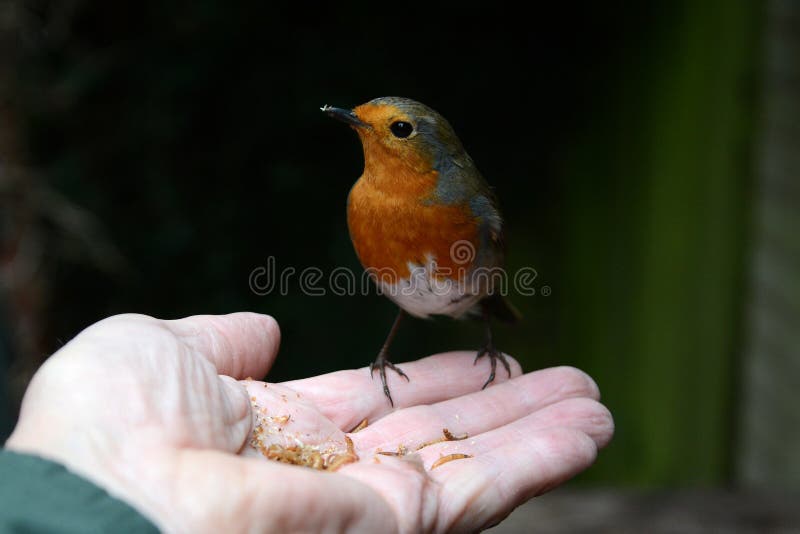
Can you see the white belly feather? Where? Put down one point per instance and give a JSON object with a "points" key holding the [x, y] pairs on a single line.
{"points": [[422, 294]]}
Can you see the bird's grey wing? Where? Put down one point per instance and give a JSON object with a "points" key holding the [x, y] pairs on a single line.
{"points": [[491, 236]]}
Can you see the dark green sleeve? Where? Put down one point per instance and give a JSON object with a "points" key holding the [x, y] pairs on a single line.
{"points": [[37, 495]]}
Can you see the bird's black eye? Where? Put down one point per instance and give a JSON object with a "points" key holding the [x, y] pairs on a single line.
{"points": [[401, 129]]}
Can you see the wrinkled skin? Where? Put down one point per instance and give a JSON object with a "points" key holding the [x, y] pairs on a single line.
{"points": [[148, 410]]}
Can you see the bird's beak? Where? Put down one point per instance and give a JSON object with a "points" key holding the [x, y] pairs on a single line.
{"points": [[347, 116]]}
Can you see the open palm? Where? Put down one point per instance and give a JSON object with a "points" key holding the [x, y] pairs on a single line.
{"points": [[145, 408]]}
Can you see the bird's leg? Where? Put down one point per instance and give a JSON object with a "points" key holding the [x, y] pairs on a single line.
{"points": [[490, 350], [382, 361]]}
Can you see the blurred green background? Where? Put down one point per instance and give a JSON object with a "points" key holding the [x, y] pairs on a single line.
{"points": [[155, 153]]}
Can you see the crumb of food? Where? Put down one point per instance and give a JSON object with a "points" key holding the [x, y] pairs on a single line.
{"points": [[338, 460], [253, 399], [281, 420], [312, 456], [295, 455], [360, 426], [451, 437], [449, 458], [249, 379], [327, 457], [401, 451], [446, 436]]}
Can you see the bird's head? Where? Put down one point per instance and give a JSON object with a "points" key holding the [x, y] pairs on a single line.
{"points": [[401, 131]]}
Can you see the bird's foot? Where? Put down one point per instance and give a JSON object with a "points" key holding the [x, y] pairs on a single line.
{"points": [[381, 363], [494, 355]]}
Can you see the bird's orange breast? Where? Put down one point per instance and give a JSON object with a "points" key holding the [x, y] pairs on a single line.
{"points": [[393, 221]]}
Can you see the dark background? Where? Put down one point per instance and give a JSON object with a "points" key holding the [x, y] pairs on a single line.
{"points": [[161, 151]]}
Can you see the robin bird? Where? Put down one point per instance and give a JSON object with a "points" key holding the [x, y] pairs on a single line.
{"points": [[424, 222]]}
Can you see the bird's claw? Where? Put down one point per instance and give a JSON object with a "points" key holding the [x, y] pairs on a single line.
{"points": [[381, 363], [494, 355]]}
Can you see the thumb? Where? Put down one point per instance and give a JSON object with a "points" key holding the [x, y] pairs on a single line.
{"points": [[238, 344]]}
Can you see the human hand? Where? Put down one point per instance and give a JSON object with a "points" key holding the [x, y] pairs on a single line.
{"points": [[144, 408]]}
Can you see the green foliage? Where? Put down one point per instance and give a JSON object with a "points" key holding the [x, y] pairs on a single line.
{"points": [[655, 294]]}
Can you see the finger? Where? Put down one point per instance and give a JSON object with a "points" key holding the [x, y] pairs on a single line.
{"points": [[504, 467], [239, 345], [347, 397], [586, 415], [513, 463], [478, 412], [242, 495], [483, 490]]}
